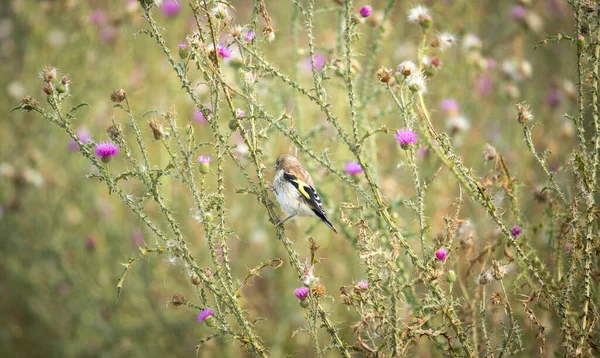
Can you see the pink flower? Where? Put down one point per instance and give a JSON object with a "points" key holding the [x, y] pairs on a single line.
{"points": [[518, 13], [441, 254], [170, 8], [199, 117], [98, 17], [320, 60], [362, 284], [353, 168], [250, 35], [106, 150], [137, 238], [553, 98], [224, 52], [483, 85], [84, 137], [301, 293], [365, 11], [207, 312], [516, 231], [449, 105], [406, 137]]}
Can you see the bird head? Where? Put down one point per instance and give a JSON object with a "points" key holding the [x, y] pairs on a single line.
{"points": [[286, 161]]}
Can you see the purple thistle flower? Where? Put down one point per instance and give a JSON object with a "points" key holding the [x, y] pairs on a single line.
{"points": [[106, 150], [138, 238], [204, 159], [483, 85], [441, 254], [518, 12], [516, 231], [182, 46], [207, 312], [363, 285], [353, 168], [90, 243], [199, 116], [250, 35], [365, 11], [84, 137], [553, 98], [406, 137], [449, 105], [98, 17], [170, 8], [239, 113], [301, 293], [224, 52]]}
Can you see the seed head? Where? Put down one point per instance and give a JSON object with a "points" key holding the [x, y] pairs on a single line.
{"points": [[420, 15], [195, 279], [416, 83], [118, 95], [523, 115], [319, 290], [177, 300], [407, 68], [48, 74], [269, 33], [444, 41]]}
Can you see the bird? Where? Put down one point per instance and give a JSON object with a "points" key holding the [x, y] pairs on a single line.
{"points": [[295, 191]]}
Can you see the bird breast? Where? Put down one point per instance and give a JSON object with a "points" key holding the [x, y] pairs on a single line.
{"points": [[289, 197]]}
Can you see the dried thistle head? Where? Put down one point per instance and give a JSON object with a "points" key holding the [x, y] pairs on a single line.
{"points": [[269, 33], [177, 300], [115, 132], [523, 115], [118, 95], [29, 103], [384, 75], [489, 153], [319, 290], [157, 128], [48, 73], [497, 299]]}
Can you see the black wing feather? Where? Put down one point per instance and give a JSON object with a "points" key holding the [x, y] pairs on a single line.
{"points": [[310, 196]]}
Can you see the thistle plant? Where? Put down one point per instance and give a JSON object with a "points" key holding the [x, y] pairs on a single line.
{"points": [[432, 280]]}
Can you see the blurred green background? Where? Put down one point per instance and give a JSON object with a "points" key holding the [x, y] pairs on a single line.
{"points": [[63, 237]]}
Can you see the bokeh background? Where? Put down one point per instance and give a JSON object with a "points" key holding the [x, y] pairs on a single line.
{"points": [[63, 237]]}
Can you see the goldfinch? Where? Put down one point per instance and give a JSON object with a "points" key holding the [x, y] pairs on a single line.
{"points": [[295, 191]]}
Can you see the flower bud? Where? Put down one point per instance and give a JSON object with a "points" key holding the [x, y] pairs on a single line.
{"points": [[47, 89], [450, 276], [61, 88], [195, 279]]}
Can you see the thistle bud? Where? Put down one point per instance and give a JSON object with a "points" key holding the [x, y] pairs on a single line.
{"points": [[580, 40], [204, 163], [47, 89], [450, 276], [195, 279], [61, 88], [183, 51]]}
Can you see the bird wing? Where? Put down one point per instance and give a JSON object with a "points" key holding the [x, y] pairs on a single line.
{"points": [[309, 195]]}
